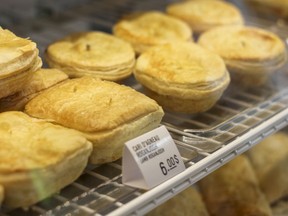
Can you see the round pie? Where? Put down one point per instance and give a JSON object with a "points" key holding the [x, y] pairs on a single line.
{"points": [[95, 54], [182, 77], [152, 28], [250, 53], [203, 15]]}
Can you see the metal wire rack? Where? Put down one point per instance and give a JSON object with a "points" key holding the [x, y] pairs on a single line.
{"points": [[242, 118]]}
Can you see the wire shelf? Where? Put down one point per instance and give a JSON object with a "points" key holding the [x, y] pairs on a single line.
{"points": [[206, 141]]}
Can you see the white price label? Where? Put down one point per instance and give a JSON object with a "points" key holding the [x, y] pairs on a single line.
{"points": [[150, 159]]}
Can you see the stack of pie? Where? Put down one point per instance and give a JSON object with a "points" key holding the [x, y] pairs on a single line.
{"points": [[19, 60], [39, 81]]}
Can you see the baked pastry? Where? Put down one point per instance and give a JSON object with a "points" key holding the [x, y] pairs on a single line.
{"points": [[204, 15], [1, 194], [93, 53], [40, 80], [280, 208], [151, 28], [108, 114], [188, 202], [19, 59], [37, 158], [270, 162], [250, 53], [268, 8], [234, 190], [182, 76]]}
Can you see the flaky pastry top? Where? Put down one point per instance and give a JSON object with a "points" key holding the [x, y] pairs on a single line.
{"points": [[91, 50], [28, 143], [42, 79], [91, 105], [152, 28], [182, 65], [17, 54], [202, 15], [39, 80], [243, 43]]}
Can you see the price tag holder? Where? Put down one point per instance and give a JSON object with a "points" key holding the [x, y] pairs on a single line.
{"points": [[150, 159]]}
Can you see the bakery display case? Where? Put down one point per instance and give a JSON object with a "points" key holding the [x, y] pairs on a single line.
{"points": [[242, 117]]}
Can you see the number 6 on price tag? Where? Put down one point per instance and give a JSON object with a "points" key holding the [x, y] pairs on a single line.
{"points": [[150, 159]]}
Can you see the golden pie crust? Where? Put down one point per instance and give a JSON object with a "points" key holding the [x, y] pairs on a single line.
{"points": [[270, 162], [19, 59], [204, 15], [1, 194], [188, 202], [37, 158], [182, 77], [150, 29], [250, 53], [107, 113], [40, 80], [234, 190], [276, 8], [94, 54]]}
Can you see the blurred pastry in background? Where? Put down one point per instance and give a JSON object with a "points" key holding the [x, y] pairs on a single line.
{"points": [[19, 60], [42, 79], [92, 53], [37, 158], [233, 190], [182, 76], [204, 15], [148, 29], [280, 208], [188, 202], [270, 162], [108, 114], [1, 194], [269, 8], [251, 54]]}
